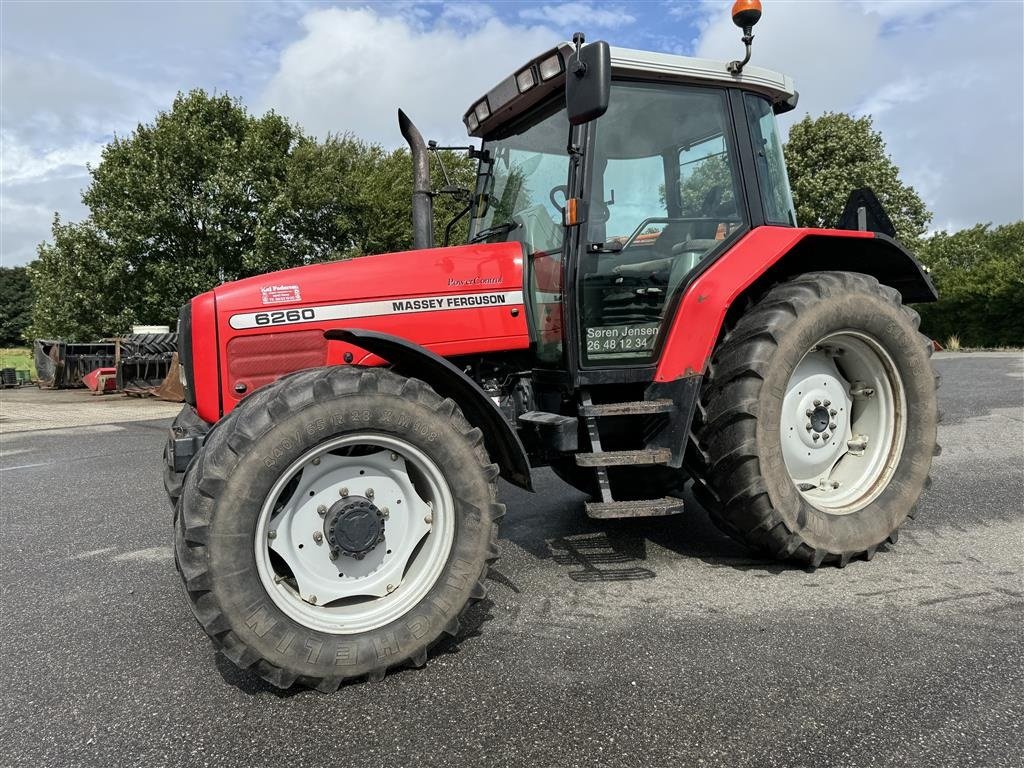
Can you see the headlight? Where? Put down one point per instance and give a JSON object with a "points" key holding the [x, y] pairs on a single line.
{"points": [[550, 67], [482, 110], [525, 80]]}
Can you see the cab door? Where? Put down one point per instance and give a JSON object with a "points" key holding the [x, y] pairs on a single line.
{"points": [[664, 194]]}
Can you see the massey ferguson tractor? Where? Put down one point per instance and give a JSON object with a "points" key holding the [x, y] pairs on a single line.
{"points": [[636, 308]]}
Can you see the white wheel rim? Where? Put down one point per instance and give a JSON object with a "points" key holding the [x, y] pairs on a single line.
{"points": [[843, 422], [347, 594]]}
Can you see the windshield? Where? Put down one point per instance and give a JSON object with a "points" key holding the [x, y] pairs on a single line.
{"points": [[522, 178]]}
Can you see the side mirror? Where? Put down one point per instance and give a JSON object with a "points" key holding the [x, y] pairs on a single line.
{"points": [[588, 81]]}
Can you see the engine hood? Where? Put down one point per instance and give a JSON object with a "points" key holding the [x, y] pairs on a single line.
{"points": [[436, 271], [456, 301]]}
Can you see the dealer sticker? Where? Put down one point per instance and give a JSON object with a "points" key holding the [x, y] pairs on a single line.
{"points": [[280, 294]]}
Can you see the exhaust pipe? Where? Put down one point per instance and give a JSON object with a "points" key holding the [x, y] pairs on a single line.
{"points": [[422, 199]]}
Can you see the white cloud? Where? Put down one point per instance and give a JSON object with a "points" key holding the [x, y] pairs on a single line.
{"points": [[470, 14], [19, 163], [570, 17], [74, 74], [941, 80], [354, 68]]}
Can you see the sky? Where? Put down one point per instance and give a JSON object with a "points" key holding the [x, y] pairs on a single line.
{"points": [[943, 80]]}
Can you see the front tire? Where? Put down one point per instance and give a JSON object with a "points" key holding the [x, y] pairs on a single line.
{"points": [[792, 469], [336, 525]]}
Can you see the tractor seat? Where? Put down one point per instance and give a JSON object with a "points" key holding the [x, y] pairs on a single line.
{"points": [[686, 256]]}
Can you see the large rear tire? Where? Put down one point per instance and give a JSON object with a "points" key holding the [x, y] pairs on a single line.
{"points": [[335, 525], [818, 420]]}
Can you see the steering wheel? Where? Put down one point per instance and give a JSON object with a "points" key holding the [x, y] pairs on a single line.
{"points": [[564, 189]]}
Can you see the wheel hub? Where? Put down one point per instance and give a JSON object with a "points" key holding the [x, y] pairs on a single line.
{"points": [[819, 419], [354, 526]]}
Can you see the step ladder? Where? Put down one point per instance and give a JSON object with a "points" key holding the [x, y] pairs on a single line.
{"points": [[600, 460]]}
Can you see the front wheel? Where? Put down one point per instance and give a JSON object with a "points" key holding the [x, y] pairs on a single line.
{"points": [[819, 419], [336, 525]]}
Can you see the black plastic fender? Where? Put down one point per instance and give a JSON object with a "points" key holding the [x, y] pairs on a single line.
{"points": [[412, 360]]}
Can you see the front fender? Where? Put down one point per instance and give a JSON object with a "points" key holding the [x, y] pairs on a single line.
{"points": [[414, 361]]}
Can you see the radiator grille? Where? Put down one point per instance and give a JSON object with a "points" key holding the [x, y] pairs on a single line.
{"points": [[258, 360]]}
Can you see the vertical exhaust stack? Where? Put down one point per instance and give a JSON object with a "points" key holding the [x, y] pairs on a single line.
{"points": [[422, 198]]}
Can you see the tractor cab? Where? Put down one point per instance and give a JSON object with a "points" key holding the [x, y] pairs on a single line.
{"points": [[617, 213]]}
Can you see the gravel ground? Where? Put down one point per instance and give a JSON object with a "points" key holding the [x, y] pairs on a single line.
{"points": [[640, 643], [28, 409]]}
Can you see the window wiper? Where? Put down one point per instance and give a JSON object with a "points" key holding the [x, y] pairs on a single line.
{"points": [[497, 229]]}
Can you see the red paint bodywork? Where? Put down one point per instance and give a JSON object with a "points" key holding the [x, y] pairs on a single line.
{"points": [[101, 380], [225, 357], [702, 308]]}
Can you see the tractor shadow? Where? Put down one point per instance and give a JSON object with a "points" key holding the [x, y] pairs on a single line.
{"points": [[551, 524]]}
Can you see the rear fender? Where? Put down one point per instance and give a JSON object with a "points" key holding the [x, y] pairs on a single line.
{"points": [[414, 361], [763, 257]]}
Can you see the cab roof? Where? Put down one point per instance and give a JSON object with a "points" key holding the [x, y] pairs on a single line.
{"points": [[505, 101]]}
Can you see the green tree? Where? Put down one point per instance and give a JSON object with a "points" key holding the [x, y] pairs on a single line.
{"points": [[81, 286], [176, 207], [979, 273], [208, 193], [345, 197], [830, 156], [15, 305]]}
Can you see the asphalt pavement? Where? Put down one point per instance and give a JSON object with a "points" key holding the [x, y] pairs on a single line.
{"points": [[638, 643]]}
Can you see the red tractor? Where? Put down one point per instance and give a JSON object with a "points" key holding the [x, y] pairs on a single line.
{"points": [[636, 308]]}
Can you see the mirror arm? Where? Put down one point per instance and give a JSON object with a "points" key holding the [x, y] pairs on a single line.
{"points": [[736, 67], [455, 220]]}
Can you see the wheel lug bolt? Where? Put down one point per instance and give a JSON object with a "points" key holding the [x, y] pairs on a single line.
{"points": [[832, 425], [817, 403], [394, 456], [318, 537], [272, 534], [321, 510], [385, 512], [369, 493], [827, 403], [312, 599], [316, 461], [832, 412], [333, 554], [343, 492], [815, 437], [808, 412], [428, 519], [808, 427], [825, 437]]}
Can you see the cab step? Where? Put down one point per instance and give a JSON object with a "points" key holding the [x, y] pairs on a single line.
{"points": [[605, 510], [646, 456], [638, 408]]}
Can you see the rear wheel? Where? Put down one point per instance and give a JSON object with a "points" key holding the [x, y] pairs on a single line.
{"points": [[818, 420], [337, 526]]}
